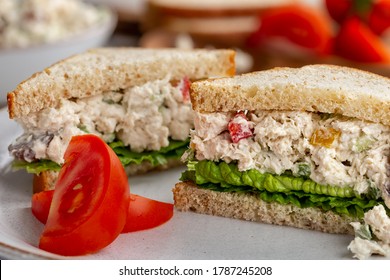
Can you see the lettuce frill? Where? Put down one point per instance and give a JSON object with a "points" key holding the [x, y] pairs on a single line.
{"points": [[174, 150], [283, 189]]}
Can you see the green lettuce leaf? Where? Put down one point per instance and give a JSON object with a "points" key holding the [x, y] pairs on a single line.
{"points": [[174, 150], [36, 167], [222, 172], [283, 189]]}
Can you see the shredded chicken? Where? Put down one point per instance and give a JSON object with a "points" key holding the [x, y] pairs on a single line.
{"points": [[142, 117], [336, 150], [30, 22], [379, 223]]}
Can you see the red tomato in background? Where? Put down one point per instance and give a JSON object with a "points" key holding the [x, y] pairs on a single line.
{"points": [[339, 10], [357, 42], [379, 17], [376, 13], [300, 24], [90, 201], [145, 213]]}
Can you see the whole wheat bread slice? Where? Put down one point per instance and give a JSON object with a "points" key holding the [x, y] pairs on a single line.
{"points": [[107, 69], [314, 88], [188, 197]]}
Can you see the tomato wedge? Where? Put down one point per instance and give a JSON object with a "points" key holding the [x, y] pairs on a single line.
{"points": [[357, 42], [143, 213], [90, 200], [300, 24], [379, 17], [339, 10]]}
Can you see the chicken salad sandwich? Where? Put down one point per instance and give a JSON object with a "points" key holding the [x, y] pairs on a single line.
{"points": [[306, 147], [135, 99]]}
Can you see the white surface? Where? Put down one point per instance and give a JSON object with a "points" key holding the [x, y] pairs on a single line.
{"points": [[185, 236], [17, 65]]}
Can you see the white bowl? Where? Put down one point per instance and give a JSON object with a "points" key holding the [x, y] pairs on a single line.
{"points": [[17, 65]]}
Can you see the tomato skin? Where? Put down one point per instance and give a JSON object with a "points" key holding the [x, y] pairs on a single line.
{"points": [[339, 10], [376, 13], [40, 205], [145, 213], [90, 201], [300, 24], [379, 17], [356, 42]]}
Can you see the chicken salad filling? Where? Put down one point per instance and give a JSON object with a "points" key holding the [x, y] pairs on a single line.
{"points": [[328, 149], [324, 161], [147, 118], [372, 236], [26, 23]]}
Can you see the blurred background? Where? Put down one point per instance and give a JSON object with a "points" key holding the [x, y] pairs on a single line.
{"points": [[265, 33]]}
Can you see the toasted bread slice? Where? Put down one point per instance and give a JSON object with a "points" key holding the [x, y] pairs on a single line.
{"points": [[105, 69], [314, 88], [189, 197]]}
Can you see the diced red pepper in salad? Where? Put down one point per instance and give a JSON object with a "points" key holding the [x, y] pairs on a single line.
{"points": [[185, 89], [239, 127]]}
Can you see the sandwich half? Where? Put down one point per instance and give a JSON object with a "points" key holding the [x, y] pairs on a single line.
{"points": [[222, 22], [304, 147], [136, 99]]}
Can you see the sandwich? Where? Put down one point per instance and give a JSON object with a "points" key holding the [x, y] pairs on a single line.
{"points": [[135, 99], [303, 147], [220, 22]]}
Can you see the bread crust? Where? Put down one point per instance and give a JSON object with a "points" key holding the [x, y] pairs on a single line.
{"points": [[44, 181], [106, 69], [189, 197], [314, 88]]}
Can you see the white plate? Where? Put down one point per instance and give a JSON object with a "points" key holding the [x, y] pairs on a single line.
{"points": [[185, 236]]}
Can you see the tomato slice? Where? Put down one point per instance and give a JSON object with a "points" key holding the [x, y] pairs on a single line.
{"points": [[145, 213], [90, 201], [357, 42], [300, 24], [339, 10], [379, 17], [40, 205]]}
